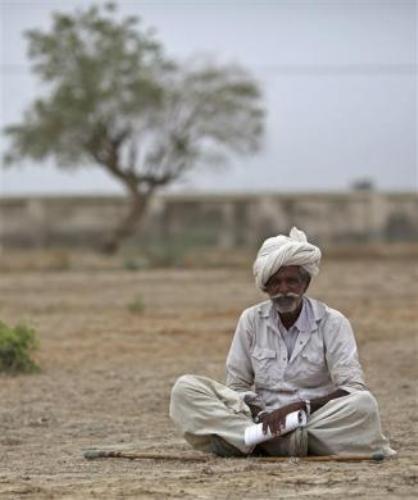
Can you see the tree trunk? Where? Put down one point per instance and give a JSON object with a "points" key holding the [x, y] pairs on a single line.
{"points": [[129, 223]]}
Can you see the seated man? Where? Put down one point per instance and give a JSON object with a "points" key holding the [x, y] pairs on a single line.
{"points": [[288, 353]]}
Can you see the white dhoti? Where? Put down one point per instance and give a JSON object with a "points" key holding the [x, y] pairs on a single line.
{"points": [[203, 408]]}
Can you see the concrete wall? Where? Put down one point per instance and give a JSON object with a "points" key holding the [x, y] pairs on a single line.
{"points": [[227, 221]]}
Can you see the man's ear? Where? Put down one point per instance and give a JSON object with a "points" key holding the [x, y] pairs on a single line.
{"points": [[308, 282]]}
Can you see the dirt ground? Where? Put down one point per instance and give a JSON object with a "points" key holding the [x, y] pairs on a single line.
{"points": [[107, 373]]}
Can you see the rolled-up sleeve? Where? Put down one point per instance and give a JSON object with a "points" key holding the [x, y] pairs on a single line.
{"points": [[239, 369], [342, 356]]}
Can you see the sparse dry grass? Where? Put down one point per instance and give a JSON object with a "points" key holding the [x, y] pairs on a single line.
{"points": [[107, 375]]}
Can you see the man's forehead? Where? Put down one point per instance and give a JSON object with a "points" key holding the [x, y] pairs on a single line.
{"points": [[286, 271]]}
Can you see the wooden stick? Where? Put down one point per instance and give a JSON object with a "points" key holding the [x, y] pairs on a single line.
{"points": [[376, 457], [94, 454]]}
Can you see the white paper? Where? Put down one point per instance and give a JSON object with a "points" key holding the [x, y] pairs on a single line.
{"points": [[254, 434]]}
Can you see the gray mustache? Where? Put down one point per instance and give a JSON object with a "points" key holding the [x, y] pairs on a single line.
{"points": [[289, 295]]}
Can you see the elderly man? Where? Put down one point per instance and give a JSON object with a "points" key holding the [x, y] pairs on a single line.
{"points": [[288, 353]]}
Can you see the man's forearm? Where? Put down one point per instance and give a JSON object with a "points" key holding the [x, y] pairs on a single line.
{"points": [[317, 402], [320, 402], [314, 403], [276, 420]]}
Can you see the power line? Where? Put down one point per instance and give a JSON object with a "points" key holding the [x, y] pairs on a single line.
{"points": [[372, 69], [340, 69]]}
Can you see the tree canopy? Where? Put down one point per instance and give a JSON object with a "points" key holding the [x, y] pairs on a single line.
{"points": [[115, 99]]}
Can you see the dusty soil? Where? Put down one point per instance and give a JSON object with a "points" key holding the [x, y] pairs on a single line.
{"points": [[107, 373]]}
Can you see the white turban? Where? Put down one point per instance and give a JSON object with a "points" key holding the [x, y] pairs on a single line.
{"points": [[279, 251]]}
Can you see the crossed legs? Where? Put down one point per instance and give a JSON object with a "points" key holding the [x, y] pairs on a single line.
{"points": [[203, 408]]}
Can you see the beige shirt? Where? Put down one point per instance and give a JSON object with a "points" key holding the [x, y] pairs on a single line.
{"points": [[324, 358]]}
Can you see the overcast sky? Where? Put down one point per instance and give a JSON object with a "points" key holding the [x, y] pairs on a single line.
{"points": [[338, 76]]}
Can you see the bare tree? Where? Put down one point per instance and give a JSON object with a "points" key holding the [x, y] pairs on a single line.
{"points": [[115, 100]]}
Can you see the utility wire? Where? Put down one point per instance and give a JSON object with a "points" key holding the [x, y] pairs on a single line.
{"points": [[372, 69]]}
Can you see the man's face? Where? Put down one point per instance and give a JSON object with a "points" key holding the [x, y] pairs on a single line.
{"points": [[286, 288]]}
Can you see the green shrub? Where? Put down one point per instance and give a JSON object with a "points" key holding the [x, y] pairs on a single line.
{"points": [[137, 306], [16, 347]]}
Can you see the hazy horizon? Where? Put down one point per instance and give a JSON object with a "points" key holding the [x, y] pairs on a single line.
{"points": [[339, 79]]}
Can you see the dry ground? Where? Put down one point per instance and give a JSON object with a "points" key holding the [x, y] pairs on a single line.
{"points": [[107, 372]]}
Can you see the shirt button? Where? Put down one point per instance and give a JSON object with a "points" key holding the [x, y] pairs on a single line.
{"points": [[284, 359]]}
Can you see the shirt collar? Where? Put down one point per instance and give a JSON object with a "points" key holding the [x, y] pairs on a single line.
{"points": [[305, 320]]}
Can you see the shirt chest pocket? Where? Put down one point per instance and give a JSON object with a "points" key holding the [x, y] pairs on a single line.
{"points": [[265, 366], [313, 361]]}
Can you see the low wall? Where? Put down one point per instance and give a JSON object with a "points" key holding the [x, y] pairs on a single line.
{"points": [[218, 220]]}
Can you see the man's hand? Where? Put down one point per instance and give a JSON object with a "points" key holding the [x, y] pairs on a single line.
{"points": [[255, 410], [276, 420]]}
